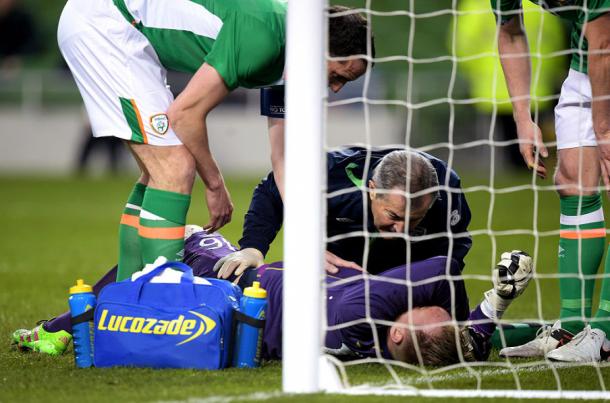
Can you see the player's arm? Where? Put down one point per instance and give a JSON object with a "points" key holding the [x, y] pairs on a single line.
{"points": [[273, 106], [261, 225], [276, 140], [187, 116], [598, 37], [264, 217], [514, 57], [463, 242]]}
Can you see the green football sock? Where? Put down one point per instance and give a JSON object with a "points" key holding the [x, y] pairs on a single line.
{"points": [[602, 317], [581, 246], [130, 253], [162, 222]]}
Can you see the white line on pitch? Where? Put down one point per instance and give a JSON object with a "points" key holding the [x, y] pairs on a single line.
{"points": [[421, 379], [228, 399]]}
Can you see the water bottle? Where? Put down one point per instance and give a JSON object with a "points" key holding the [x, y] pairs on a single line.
{"points": [[249, 339], [81, 300]]}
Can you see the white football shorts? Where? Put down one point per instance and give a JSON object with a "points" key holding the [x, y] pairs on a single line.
{"points": [[573, 120], [118, 73]]}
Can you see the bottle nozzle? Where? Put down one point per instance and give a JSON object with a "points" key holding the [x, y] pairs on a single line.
{"points": [[80, 287], [255, 291]]}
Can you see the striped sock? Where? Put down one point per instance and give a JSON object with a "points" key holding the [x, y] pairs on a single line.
{"points": [[162, 222], [581, 246], [602, 316], [130, 254]]}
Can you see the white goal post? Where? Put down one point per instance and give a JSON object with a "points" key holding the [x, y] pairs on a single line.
{"points": [[303, 204]]}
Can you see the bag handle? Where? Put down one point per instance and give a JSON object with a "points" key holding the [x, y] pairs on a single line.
{"points": [[187, 276], [134, 292]]}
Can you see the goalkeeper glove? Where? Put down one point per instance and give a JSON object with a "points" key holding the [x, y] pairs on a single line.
{"points": [[237, 262], [510, 278]]}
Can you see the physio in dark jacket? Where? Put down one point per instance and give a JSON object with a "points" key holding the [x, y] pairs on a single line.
{"points": [[352, 211]]}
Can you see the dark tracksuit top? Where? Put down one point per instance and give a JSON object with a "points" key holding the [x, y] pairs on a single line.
{"points": [[449, 213]]}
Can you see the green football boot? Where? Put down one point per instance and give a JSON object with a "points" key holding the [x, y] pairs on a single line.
{"points": [[39, 340]]}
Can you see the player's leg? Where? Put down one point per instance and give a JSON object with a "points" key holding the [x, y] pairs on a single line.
{"points": [[582, 236], [581, 247], [602, 316], [166, 200], [598, 35], [591, 344], [130, 251], [582, 233], [584, 239], [126, 97], [53, 336], [100, 82]]}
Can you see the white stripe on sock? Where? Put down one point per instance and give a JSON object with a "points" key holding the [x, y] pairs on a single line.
{"points": [[595, 216], [133, 206], [147, 215]]}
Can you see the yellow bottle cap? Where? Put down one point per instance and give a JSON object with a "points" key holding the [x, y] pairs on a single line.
{"points": [[255, 291], [80, 287]]}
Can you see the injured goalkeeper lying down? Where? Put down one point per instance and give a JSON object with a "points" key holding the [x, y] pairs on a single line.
{"points": [[427, 323]]}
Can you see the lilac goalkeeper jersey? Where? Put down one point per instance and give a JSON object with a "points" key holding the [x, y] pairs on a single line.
{"points": [[203, 250], [388, 298]]}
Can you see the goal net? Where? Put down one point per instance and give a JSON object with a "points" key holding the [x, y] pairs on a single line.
{"points": [[435, 85]]}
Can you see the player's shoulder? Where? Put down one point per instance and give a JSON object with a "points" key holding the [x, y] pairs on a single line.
{"points": [[348, 154], [264, 15], [508, 5], [344, 153], [245, 7]]}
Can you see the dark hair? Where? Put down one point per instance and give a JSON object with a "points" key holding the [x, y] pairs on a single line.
{"points": [[347, 34]]}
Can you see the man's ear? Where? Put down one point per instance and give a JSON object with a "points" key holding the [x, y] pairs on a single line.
{"points": [[372, 187], [397, 334]]}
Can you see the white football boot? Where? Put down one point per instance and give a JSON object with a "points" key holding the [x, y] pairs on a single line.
{"points": [[548, 338], [586, 346]]}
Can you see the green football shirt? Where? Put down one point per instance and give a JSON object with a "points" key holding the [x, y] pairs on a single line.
{"points": [[578, 12], [244, 40]]}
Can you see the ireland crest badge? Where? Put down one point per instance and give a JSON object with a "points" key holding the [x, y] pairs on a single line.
{"points": [[159, 123]]}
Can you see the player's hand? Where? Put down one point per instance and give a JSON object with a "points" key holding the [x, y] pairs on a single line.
{"points": [[220, 208], [531, 144], [237, 262], [512, 274], [603, 147], [333, 262]]}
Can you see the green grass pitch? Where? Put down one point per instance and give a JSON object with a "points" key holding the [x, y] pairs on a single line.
{"points": [[57, 230]]}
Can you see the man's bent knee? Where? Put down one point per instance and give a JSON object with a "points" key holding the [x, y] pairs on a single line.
{"points": [[577, 172], [169, 168]]}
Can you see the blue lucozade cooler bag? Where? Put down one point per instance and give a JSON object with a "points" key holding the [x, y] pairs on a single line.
{"points": [[161, 325]]}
